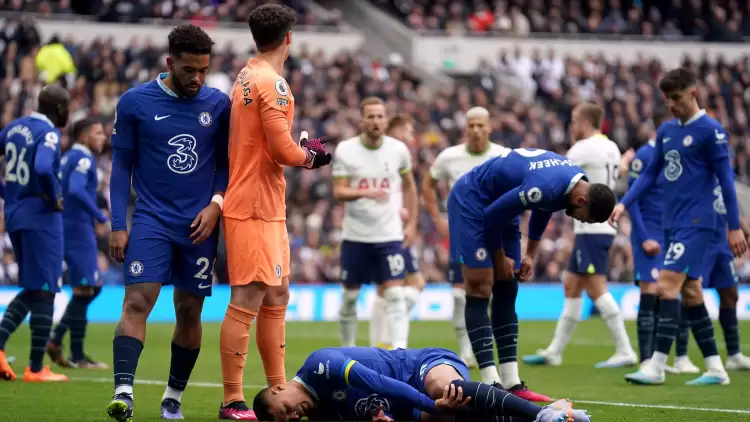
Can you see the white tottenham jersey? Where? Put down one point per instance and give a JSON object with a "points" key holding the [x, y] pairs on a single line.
{"points": [[599, 157], [455, 161], [367, 220]]}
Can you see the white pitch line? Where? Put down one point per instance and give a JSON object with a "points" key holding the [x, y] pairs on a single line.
{"points": [[600, 403]]}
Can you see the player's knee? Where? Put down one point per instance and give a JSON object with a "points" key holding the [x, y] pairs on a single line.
{"points": [[437, 378], [394, 293], [83, 291], [415, 280], [479, 282], [188, 310], [572, 286], [728, 297], [649, 288], [248, 296], [595, 286], [277, 296], [670, 283], [392, 283], [138, 303], [692, 293]]}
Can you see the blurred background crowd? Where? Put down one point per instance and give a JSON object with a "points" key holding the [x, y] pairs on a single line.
{"points": [[328, 89]]}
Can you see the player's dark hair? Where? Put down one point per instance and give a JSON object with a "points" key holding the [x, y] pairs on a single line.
{"points": [[677, 80], [661, 115], [260, 406], [601, 202], [189, 39], [82, 126], [269, 24]]}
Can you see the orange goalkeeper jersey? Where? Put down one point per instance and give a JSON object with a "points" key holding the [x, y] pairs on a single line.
{"points": [[260, 144]]}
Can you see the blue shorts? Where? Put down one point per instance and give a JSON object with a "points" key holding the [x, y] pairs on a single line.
{"points": [[363, 263], [590, 254], [155, 256], [83, 268], [646, 267], [422, 360], [720, 272], [454, 274], [686, 251], [39, 254], [412, 265]]}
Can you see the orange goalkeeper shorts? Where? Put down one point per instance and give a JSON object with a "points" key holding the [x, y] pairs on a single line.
{"points": [[257, 250]]}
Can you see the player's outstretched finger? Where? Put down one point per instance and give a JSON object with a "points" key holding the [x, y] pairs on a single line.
{"points": [[197, 220]]}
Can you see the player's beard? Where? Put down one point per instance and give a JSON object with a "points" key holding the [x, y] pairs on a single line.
{"points": [[182, 91]]}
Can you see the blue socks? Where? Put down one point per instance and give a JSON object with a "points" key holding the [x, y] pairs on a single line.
{"points": [[42, 309], [181, 366], [703, 329], [479, 330], [683, 334], [505, 320], [489, 400], [75, 320], [728, 321], [646, 323], [667, 326], [125, 353], [14, 315]]}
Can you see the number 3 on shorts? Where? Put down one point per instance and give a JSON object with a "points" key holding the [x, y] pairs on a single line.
{"points": [[396, 264], [675, 252]]}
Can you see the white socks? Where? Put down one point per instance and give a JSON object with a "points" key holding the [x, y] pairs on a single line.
{"points": [[489, 375], [348, 318], [509, 374], [411, 294], [397, 318], [124, 389], [610, 313], [459, 322], [566, 325], [378, 327], [713, 364], [171, 393]]}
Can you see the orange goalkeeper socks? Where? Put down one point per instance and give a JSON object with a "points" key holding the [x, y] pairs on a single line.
{"points": [[270, 337], [233, 344]]}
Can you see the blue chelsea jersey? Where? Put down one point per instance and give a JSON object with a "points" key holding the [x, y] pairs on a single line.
{"points": [[652, 204], [80, 181], [176, 142], [31, 146], [688, 153]]}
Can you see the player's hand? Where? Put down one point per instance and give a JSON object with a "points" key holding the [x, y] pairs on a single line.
{"points": [[442, 227], [316, 152], [452, 399], [737, 242], [118, 244], [616, 214], [410, 235], [378, 194], [205, 223], [378, 415], [59, 205], [527, 269], [651, 247]]}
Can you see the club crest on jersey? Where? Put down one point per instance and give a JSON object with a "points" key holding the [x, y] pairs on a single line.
{"points": [[135, 268], [281, 88], [339, 395], [637, 164], [687, 141], [480, 254], [534, 195], [205, 119]]}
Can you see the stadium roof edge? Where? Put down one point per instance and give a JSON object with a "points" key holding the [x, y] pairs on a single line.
{"points": [[82, 30]]}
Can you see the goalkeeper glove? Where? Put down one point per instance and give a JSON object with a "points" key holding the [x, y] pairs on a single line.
{"points": [[316, 153]]}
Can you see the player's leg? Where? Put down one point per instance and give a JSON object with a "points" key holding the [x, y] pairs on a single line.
{"points": [[379, 335], [413, 281], [390, 266], [649, 298], [566, 324], [682, 362], [724, 280], [17, 309], [254, 261], [148, 261], [458, 318], [354, 272]]}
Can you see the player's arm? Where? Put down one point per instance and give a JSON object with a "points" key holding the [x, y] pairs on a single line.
{"points": [[44, 166], [221, 145], [124, 144], [429, 185], [719, 153], [636, 218], [410, 191], [341, 189], [648, 177], [273, 108], [77, 188]]}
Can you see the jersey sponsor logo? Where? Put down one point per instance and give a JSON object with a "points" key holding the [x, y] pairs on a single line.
{"points": [[673, 170], [636, 165], [719, 205], [281, 88], [205, 119], [185, 159], [339, 395], [374, 183], [158, 118], [687, 141], [135, 268], [534, 195], [480, 254], [364, 406]]}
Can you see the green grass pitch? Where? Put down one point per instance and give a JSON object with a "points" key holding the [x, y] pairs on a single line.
{"points": [[603, 392]]}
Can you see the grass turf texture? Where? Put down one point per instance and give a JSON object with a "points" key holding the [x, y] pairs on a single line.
{"points": [[87, 394]]}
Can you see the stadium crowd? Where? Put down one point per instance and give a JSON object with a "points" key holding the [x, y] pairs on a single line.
{"points": [[327, 93], [713, 20]]}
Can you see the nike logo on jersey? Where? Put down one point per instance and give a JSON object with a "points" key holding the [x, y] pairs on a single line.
{"points": [[665, 140], [157, 117], [201, 286], [669, 262]]}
